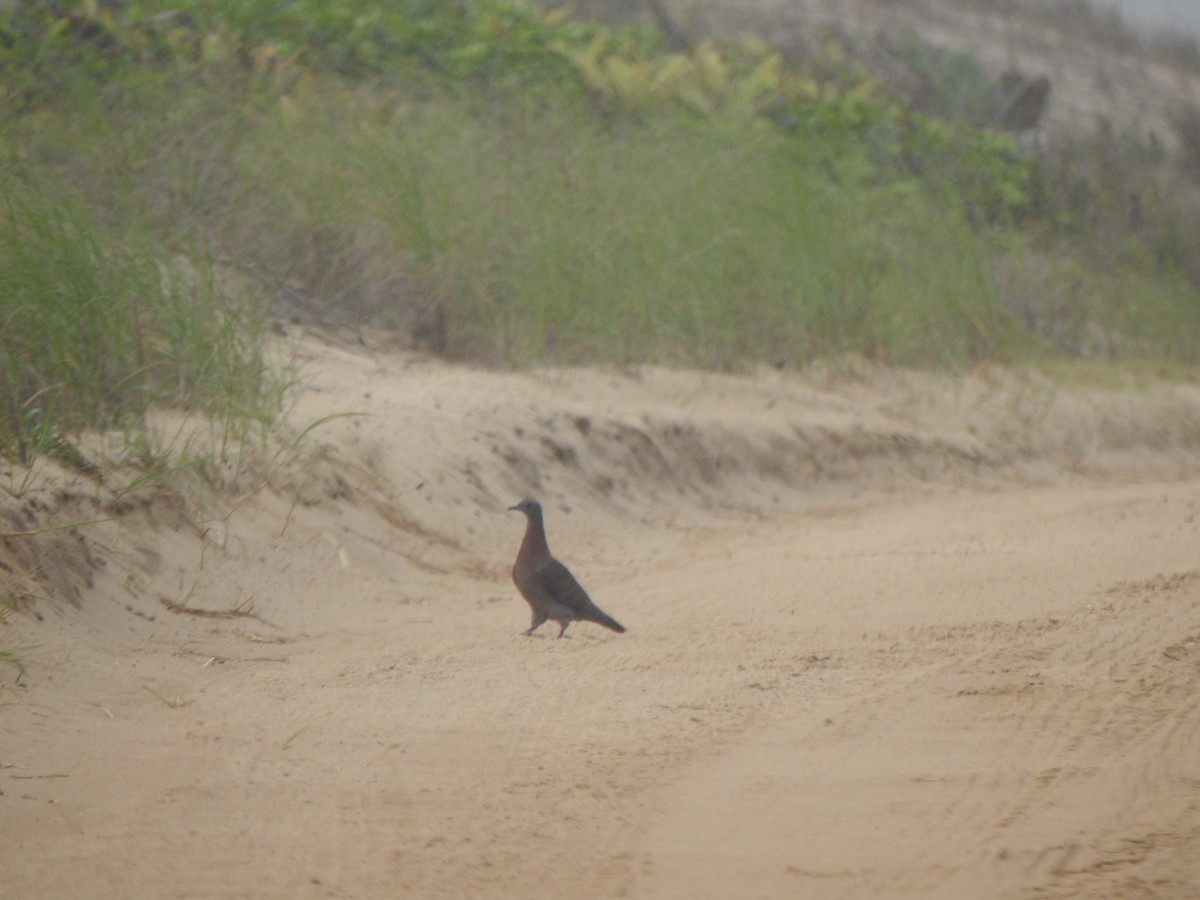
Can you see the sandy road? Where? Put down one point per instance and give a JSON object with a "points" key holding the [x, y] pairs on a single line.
{"points": [[874, 650], [1005, 705]]}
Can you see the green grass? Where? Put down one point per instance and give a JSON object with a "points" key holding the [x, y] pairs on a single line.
{"points": [[550, 235], [11, 657], [13, 660], [99, 329], [539, 231]]}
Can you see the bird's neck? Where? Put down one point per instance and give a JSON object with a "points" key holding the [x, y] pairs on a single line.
{"points": [[534, 546]]}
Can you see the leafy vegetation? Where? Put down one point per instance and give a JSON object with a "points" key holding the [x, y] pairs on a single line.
{"points": [[512, 187]]}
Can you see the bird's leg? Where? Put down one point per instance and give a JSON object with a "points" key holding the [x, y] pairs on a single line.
{"points": [[563, 629], [528, 632]]}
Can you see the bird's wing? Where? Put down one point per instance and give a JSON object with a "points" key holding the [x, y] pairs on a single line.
{"points": [[560, 584]]}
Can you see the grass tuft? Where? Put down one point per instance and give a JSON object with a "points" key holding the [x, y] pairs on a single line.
{"points": [[99, 328]]}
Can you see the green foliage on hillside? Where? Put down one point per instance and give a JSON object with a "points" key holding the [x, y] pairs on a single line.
{"points": [[510, 187]]}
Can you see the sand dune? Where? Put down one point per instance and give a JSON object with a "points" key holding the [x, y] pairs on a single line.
{"points": [[889, 635]]}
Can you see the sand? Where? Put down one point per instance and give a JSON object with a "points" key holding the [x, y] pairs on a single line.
{"points": [[890, 635]]}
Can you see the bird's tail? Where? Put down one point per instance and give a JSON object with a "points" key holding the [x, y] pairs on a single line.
{"points": [[602, 618]]}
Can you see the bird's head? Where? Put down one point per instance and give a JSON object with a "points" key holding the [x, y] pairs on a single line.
{"points": [[530, 507]]}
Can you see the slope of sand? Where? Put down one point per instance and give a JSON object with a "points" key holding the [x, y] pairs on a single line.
{"points": [[889, 635]]}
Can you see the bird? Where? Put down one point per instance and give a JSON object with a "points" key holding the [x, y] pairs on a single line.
{"points": [[546, 584]]}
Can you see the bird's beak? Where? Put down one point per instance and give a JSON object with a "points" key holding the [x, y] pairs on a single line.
{"points": [[511, 508]]}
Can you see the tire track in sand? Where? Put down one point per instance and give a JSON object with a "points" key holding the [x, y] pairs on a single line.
{"points": [[1053, 755]]}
